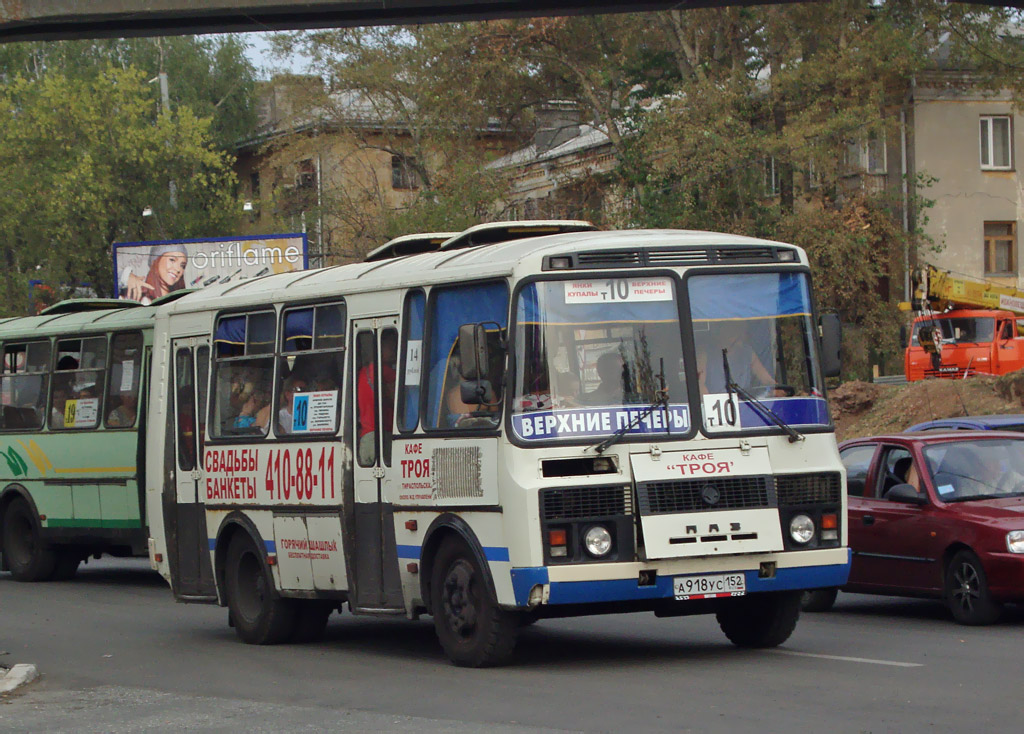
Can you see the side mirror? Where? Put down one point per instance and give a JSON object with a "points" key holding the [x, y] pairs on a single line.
{"points": [[903, 334], [473, 354], [906, 493], [831, 344]]}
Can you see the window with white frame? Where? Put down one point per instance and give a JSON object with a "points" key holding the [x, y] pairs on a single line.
{"points": [[996, 142]]}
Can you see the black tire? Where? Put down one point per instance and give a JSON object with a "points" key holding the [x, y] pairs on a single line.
{"points": [[967, 594], [818, 600], [474, 632], [260, 615], [311, 619], [67, 565], [760, 620], [27, 556]]}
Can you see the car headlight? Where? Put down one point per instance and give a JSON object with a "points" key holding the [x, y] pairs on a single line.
{"points": [[1015, 541], [598, 541], [801, 528]]}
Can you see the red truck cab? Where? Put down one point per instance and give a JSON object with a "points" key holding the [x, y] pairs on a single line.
{"points": [[968, 342]]}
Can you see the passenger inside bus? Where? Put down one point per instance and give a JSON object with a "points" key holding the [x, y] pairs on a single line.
{"points": [[613, 375], [366, 393], [124, 414], [292, 384], [248, 419], [745, 366]]}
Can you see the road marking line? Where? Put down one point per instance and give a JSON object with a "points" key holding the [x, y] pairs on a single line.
{"points": [[847, 659]]}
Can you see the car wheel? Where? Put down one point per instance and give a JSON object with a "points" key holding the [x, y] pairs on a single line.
{"points": [[472, 629], [760, 620], [260, 616], [818, 600], [967, 594], [28, 557]]}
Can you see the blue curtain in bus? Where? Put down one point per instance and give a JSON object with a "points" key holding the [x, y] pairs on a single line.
{"points": [[298, 326], [545, 303], [230, 335], [330, 326], [748, 295], [454, 307]]}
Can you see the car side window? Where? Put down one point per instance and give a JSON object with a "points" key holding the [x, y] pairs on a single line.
{"points": [[897, 468], [857, 460]]}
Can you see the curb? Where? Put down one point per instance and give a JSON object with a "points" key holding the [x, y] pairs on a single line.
{"points": [[19, 675]]}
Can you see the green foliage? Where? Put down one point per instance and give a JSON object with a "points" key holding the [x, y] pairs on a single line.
{"points": [[80, 157], [209, 75]]}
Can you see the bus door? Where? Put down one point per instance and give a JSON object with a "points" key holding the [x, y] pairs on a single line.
{"points": [[189, 544], [377, 582]]}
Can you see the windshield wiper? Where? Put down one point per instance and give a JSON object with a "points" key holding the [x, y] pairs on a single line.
{"points": [[765, 411], [660, 399]]}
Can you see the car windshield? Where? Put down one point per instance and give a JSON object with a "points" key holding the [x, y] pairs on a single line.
{"points": [[970, 470], [758, 326], [962, 330], [591, 356]]}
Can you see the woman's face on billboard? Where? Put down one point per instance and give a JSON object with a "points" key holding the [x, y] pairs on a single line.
{"points": [[170, 268]]}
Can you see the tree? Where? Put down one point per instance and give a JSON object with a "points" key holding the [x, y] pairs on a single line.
{"points": [[79, 160], [209, 75]]}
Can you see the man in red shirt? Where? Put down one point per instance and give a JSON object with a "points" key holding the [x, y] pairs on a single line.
{"points": [[366, 397]]}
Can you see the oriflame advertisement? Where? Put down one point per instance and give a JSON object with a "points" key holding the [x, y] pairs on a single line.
{"points": [[146, 271]]}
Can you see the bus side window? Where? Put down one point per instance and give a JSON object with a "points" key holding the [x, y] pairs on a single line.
{"points": [[243, 374], [310, 371], [452, 307], [78, 382], [125, 378], [23, 385], [412, 362]]}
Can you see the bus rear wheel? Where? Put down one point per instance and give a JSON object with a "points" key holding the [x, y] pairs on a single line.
{"points": [[28, 557], [760, 620], [472, 629], [260, 616]]}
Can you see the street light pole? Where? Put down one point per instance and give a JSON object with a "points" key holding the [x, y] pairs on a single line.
{"points": [[165, 111]]}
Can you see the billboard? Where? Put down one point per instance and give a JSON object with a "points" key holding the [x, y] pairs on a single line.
{"points": [[145, 271]]}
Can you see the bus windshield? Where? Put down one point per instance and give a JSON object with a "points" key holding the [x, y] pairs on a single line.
{"points": [[592, 356], [758, 326]]}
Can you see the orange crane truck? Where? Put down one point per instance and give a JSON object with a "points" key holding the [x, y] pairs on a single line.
{"points": [[965, 327]]}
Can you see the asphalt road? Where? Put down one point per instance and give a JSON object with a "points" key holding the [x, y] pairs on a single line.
{"points": [[117, 654]]}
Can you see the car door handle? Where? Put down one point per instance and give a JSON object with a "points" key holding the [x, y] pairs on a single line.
{"points": [[869, 519]]}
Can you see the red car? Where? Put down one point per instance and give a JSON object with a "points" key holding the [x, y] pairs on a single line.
{"points": [[936, 515]]}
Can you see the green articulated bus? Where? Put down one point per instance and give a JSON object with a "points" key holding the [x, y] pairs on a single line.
{"points": [[72, 436]]}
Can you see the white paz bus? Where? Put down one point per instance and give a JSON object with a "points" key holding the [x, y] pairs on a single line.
{"points": [[580, 423]]}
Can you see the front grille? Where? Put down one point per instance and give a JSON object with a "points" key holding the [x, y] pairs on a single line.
{"points": [[746, 254], [609, 259], [672, 256], [704, 495], [580, 503], [808, 489]]}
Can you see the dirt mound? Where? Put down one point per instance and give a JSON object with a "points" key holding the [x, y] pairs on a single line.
{"points": [[865, 409]]}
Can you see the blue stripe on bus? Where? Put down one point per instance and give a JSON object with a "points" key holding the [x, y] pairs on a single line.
{"points": [[493, 553], [269, 545], [584, 592]]}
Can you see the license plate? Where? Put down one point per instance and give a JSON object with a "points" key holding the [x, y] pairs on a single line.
{"points": [[709, 587]]}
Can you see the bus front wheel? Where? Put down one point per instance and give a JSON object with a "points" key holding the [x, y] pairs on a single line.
{"points": [[472, 629], [760, 620], [28, 557], [260, 616]]}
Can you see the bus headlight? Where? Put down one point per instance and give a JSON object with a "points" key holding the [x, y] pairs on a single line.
{"points": [[1015, 541], [598, 541], [801, 528]]}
